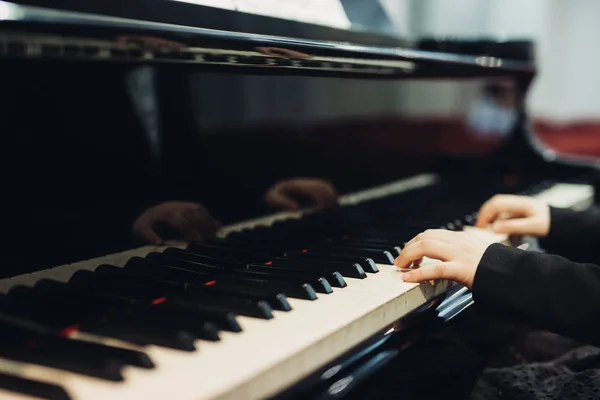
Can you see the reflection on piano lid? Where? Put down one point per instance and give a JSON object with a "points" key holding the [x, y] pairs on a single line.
{"points": [[31, 32]]}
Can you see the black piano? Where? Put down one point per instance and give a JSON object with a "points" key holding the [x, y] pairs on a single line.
{"points": [[109, 107]]}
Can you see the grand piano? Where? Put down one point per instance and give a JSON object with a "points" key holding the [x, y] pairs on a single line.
{"points": [[303, 304]]}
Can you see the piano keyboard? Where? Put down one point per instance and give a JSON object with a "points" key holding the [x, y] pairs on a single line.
{"points": [[255, 311]]}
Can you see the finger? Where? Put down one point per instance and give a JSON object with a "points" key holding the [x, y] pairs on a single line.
{"points": [[493, 208], [518, 226], [149, 235], [443, 235], [279, 199], [425, 248], [417, 263], [443, 270]]}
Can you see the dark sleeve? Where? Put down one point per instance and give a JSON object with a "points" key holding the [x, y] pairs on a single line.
{"points": [[546, 291], [574, 234]]}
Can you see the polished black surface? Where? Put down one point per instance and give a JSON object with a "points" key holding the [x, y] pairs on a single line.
{"points": [[94, 37]]}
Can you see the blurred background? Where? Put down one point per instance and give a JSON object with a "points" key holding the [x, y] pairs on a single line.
{"points": [[564, 99]]}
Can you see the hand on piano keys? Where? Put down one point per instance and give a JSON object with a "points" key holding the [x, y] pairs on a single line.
{"points": [[456, 255], [515, 215]]}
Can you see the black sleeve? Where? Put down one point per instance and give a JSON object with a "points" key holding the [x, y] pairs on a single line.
{"points": [[547, 291], [574, 234]]}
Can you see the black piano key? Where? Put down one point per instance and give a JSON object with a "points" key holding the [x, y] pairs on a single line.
{"points": [[333, 279], [217, 261], [33, 388], [277, 301], [319, 283], [239, 252], [303, 291], [142, 334], [368, 239], [127, 356], [22, 302], [166, 287], [291, 286], [393, 250], [202, 329], [104, 301], [225, 320], [366, 263], [379, 256], [127, 329], [260, 310], [345, 268], [24, 341], [203, 294], [87, 279], [106, 284]]}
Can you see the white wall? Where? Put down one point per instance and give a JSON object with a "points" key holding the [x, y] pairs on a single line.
{"points": [[567, 33]]}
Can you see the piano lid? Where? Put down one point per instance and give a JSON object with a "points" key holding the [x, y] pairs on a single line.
{"points": [[33, 32]]}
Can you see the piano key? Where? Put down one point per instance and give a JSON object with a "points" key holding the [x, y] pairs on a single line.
{"points": [[200, 294], [58, 312], [345, 268], [394, 251], [392, 244], [87, 279], [24, 341], [200, 328], [277, 301], [319, 283], [224, 320], [260, 309], [217, 261], [367, 264], [141, 333], [242, 253], [334, 279], [291, 286], [62, 312], [136, 328], [31, 387], [303, 291]]}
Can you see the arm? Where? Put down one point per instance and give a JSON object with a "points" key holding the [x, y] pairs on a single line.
{"points": [[561, 231], [546, 290], [573, 234]]}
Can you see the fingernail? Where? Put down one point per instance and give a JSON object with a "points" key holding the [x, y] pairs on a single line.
{"points": [[406, 276]]}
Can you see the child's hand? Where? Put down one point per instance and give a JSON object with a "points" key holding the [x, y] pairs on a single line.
{"points": [[515, 215], [459, 254]]}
